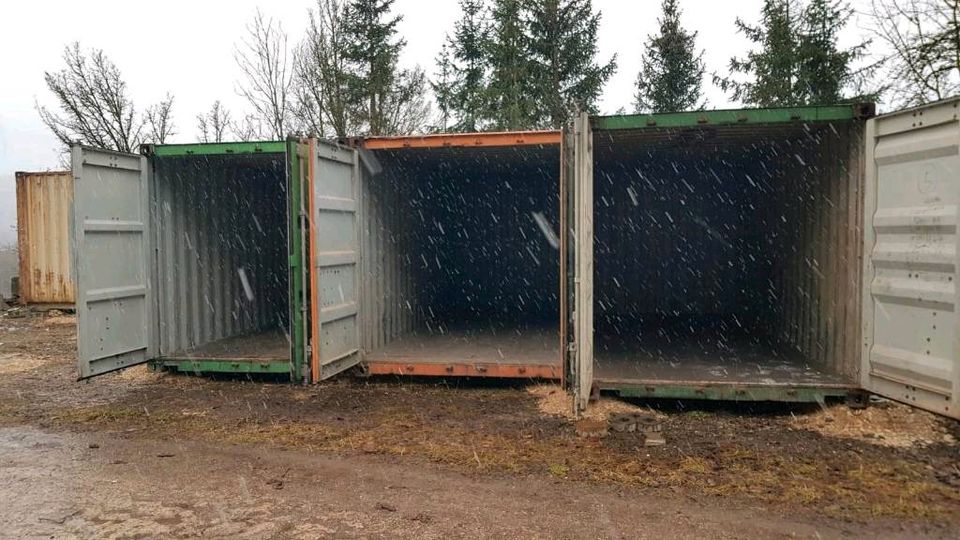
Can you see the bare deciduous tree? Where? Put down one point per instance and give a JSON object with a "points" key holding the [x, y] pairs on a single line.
{"points": [[214, 124], [249, 128], [924, 41], [94, 106], [323, 100], [264, 59], [158, 121], [406, 108]]}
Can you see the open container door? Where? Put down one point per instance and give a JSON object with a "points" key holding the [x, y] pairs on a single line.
{"points": [[578, 157], [335, 259], [911, 200], [112, 261]]}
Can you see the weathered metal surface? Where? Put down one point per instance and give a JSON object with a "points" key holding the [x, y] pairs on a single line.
{"points": [[786, 394], [112, 261], [335, 267], [467, 140], [463, 369], [223, 366], [734, 116], [43, 233], [910, 346], [297, 154], [583, 220], [222, 255], [214, 149], [750, 229]]}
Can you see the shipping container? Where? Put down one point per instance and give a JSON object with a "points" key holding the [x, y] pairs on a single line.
{"points": [[461, 255], [779, 254], [773, 254], [43, 237]]}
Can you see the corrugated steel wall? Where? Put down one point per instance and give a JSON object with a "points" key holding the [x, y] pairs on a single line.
{"points": [[389, 305], [43, 231], [216, 216], [450, 236], [816, 208], [753, 228]]}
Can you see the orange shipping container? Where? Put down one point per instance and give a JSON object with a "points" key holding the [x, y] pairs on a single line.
{"points": [[43, 234]]}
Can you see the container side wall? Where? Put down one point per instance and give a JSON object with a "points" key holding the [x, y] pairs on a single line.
{"points": [[813, 213], [389, 306], [43, 212], [222, 256], [720, 247]]}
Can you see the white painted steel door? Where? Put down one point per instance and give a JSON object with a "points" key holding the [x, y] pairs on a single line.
{"points": [[335, 256], [911, 200], [580, 142], [112, 261]]}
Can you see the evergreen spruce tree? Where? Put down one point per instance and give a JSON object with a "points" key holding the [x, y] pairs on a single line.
{"points": [[797, 61], [462, 69], [392, 99], [511, 104], [824, 70], [774, 66], [671, 77], [563, 54], [443, 86]]}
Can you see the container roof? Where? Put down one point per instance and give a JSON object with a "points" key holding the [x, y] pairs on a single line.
{"points": [[213, 149], [753, 117], [463, 140]]}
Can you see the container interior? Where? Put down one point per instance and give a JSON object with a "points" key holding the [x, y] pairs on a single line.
{"points": [[727, 254], [222, 273], [461, 259]]}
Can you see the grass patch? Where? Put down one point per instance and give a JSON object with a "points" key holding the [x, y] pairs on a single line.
{"points": [[896, 489]]}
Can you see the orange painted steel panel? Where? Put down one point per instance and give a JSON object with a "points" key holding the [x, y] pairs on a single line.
{"points": [[43, 237], [432, 369], [463, 140], [314, 307]]}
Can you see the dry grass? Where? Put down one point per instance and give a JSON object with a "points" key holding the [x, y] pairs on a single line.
{"points": [[60, 320], [889, 424], [552, 400], [17, 363]]}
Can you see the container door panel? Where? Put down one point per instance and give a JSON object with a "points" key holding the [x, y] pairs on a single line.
{"points": [[111, 261], [912, 195], [335, 255], [580, 143]]}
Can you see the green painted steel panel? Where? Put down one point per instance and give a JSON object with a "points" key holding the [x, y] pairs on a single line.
{"points": [[215, 149], [787, 394], [733, 117], [296, 284], [224, 366]]}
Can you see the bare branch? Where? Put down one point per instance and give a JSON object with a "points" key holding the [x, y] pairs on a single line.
{"points": [[158, 120], [215, 124], [263, 57], [93, 104]]}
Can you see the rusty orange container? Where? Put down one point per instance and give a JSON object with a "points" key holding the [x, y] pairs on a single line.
{"points": [[43, 237]]}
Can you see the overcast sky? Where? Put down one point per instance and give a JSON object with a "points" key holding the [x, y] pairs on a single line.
{"points": [[186, 48]]}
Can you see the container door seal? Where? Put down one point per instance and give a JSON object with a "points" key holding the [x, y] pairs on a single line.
{"points": [[911, 200], [335, 259], [112, 261], [580, 144]]}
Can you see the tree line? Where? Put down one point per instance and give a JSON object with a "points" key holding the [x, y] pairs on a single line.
{"points": [[517, 65]]}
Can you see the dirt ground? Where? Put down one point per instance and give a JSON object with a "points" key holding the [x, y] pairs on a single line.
{"points": [[142, 454]]}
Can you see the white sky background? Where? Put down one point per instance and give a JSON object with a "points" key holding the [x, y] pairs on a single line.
{"points": [[186, 48]]}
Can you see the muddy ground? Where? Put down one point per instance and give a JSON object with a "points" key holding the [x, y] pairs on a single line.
{"points": [[141, 454]]}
